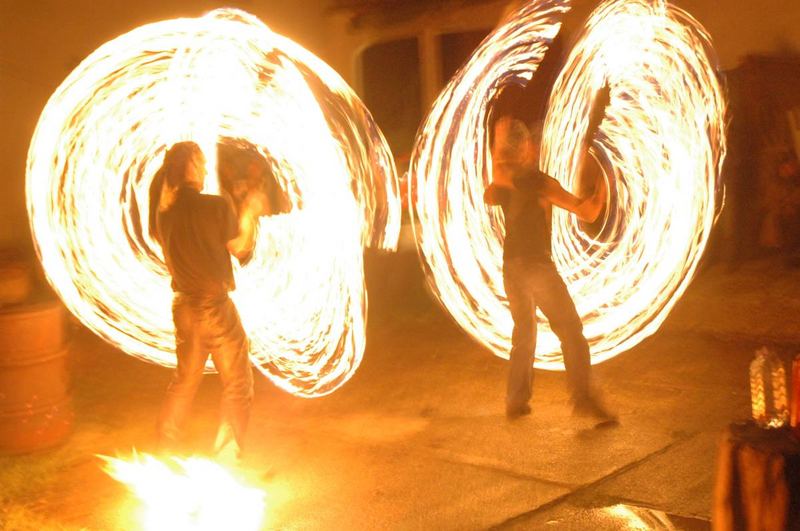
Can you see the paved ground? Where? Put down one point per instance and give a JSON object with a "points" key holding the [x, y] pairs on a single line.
{"points": [[418, 439]]}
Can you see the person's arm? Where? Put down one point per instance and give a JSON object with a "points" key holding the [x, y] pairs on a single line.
{"points": [[489, 197], [597, 113], [587, 209], [495, 195], [241, 246]]}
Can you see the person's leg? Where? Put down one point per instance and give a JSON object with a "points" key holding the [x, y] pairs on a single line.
{"points": [[553, 298], [523, 338], [556, 303], [187, 377], [230, 352]]}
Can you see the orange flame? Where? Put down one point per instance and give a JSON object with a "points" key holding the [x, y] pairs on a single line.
{"points": [[191, 494]]}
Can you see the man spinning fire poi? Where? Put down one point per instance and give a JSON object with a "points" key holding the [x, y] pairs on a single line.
{"points": [[663, 145], [531, 279], [198, 234]]}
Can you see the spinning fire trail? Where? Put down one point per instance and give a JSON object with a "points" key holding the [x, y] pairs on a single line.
{"points": [[661, 147], [224, 77]]}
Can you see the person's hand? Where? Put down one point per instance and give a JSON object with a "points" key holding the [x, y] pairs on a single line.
{"points": [[598, 111], [254, 204]]}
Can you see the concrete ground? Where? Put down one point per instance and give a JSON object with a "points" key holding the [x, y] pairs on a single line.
{"points": [[418, 438]]}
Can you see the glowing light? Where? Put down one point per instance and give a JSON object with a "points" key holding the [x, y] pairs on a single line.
{"points": [[639, 519], [661, 147], [192, 494], [223, 77]]}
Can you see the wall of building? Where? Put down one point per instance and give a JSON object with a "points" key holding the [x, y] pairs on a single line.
{"points": [[740, 27], [41, 41]]}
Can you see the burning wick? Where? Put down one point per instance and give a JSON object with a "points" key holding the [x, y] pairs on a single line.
{"points": [[191, 494]]}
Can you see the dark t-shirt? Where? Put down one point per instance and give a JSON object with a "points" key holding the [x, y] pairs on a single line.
{"points": [[527, 226], [194, 232]]}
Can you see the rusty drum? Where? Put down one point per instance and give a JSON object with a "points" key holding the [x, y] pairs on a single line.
{"points": [[35, 408]]}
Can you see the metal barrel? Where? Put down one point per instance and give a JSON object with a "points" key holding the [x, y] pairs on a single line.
{"points": [[35, 407]]}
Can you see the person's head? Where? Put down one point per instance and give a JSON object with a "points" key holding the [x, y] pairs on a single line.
{"points": [[536, 129], [516, 143], [184, 165]]}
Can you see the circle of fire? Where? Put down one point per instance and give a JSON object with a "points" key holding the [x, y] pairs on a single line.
{"points": [[221, 77], [661, 147]]}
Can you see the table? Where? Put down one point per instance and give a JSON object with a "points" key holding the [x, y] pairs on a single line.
{"points": [[758, 480]]}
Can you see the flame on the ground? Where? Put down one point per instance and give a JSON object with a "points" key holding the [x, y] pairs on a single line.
{"points": [[661, 147], [188, 494], [223, 77], [639, 518]]}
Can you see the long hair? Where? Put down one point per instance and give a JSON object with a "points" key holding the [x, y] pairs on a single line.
{"points": [[169, 178], [176, 160]]}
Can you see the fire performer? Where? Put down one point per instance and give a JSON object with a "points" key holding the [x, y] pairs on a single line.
{"points": [[531, 280], [198, 234]]}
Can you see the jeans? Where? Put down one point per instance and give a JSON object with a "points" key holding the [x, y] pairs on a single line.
{"points": [[529, 284], [208, 325]]}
